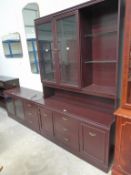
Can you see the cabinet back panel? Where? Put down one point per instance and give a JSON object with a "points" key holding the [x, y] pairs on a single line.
{"points": [[104, 74]]}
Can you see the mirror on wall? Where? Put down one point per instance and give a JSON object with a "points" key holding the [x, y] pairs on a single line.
{"points": [[12, 45], [30, 13]]}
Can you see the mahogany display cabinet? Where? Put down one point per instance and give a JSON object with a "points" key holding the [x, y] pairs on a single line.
{"points": [[122, 162], [80, 58]]}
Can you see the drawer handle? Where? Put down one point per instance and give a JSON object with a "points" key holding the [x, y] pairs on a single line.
{"points": [[92, 134], [65, 129], [30, 121], [64, 110], [45, 115], [66, 139], [65, 119]]}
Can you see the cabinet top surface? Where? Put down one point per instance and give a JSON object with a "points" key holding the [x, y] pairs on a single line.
{"points": [[76, 7], [122, 112], [25, 93], [5, 78], [67, 107]]}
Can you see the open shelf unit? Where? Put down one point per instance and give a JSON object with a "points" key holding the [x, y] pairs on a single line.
{"points": [[99, 49]]}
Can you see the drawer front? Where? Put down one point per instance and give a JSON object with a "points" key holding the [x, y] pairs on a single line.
{"points": [[66, 130], [63, 122], [93, 142], [30, 108], [68, 139], [46, 122], [31, 115]]}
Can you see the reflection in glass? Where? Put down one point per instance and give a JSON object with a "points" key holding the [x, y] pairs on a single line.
{"points": [[129, 80], [45, 44], [66, 33], [30, 13], [12, 45]]}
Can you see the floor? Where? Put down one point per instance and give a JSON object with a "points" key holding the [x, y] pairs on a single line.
{"points": [[24, 152]]}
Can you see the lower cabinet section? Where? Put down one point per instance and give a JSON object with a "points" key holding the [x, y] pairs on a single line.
{"points": [[83, 138]]}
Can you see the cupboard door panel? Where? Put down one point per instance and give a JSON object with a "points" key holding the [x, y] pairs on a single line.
{"points": [[45, 42], [46, 122], [31, 115], [93, 142], [10, 106], [19, 109], [67, 49], [125, 147]]}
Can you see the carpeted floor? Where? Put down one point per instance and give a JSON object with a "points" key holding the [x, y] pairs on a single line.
{"points": [[23, 152]]}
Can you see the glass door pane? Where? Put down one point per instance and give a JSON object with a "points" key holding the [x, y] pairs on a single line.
{"points": [[67, 48], [19, 109], [45, 40]]}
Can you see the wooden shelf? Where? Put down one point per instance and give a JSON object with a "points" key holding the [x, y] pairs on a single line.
{"points": [[95, 34], [98, 90], [101, 61]]}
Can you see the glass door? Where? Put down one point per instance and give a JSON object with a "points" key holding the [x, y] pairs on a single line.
{"points": [[66, 34], [45, 44]]}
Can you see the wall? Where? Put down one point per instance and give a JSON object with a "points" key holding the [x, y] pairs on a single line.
{"points": [[11, 20]]}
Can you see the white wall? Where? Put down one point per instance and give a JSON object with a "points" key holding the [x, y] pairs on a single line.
{"points": [[11, 20]]}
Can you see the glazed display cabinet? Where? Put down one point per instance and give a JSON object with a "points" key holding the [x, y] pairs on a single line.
{"points": [[80, 52]]}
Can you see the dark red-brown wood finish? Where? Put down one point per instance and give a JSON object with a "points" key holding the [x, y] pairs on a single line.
{"points": [[79, 52], [123, 114], [61, 118]]}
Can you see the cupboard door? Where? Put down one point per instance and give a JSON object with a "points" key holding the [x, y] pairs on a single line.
{"points": [[45, 42], [10, 106], [67, 50], [19, 110], [123, 145], [92, 137], [46, 122], [31, 115]]}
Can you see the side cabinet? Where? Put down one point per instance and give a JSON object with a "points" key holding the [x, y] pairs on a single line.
{"points": [[94, 145], [46, 122], [122, 165]]}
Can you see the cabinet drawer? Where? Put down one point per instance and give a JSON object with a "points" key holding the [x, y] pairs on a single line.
{"points": [[67, 139], [31, 115], [63, 122], [66, 130], [30, 108], [46, 122], [93, 142]]}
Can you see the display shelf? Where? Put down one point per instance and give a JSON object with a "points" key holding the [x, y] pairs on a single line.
{"points": [[95, 34], [101, 61], [99, 90]]}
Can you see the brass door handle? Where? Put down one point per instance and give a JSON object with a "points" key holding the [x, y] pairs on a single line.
{"points": [[66, 139], [92, 134], [65, 119]]}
